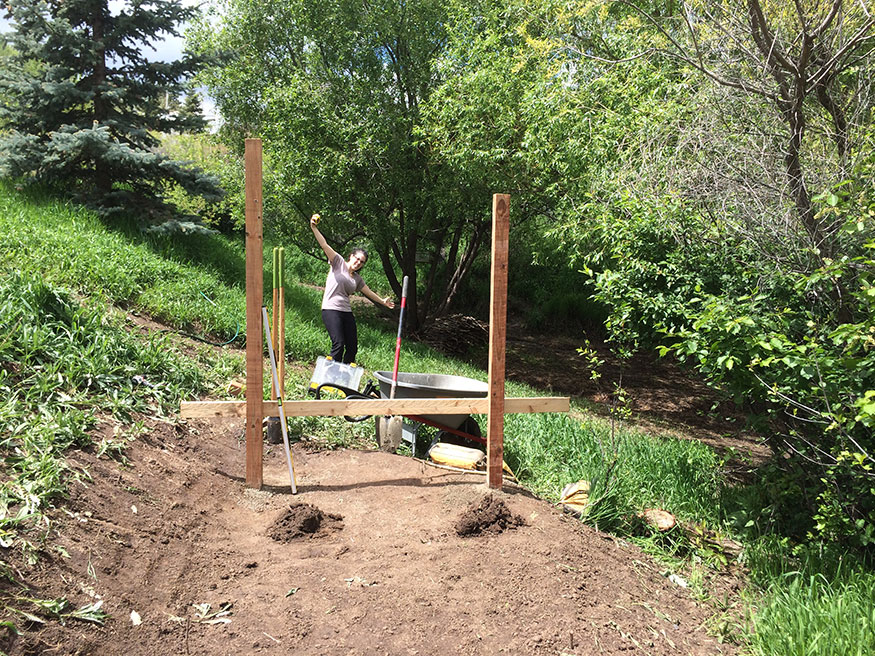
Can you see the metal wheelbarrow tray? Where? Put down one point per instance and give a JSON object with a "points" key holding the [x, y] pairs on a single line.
{"points": [[433, 386]]}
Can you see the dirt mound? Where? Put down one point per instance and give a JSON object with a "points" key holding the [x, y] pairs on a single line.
{"points": [[303, 520], [489, 515]]}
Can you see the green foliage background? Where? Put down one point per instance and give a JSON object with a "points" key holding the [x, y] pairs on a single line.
{"points": [[670, 191]]}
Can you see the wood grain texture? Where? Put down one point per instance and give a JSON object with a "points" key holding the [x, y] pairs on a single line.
{"points": [[497, 339], [376, 407], [254, 295]]}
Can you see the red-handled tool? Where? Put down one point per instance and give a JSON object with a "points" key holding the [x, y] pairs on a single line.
{"points": [[398, 342]]}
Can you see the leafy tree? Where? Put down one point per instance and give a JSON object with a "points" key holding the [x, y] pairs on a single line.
{"points": [[81, 100], [532, 102], [745, 240], [675, 166], [796, 81], [335, 91]]}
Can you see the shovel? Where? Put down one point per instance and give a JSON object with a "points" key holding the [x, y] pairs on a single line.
{"points": [[392, 426], [279, 398]]}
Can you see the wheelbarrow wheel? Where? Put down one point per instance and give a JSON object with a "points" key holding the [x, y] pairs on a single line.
{"points": [[362, 417], [471, 427], [337, 391]]}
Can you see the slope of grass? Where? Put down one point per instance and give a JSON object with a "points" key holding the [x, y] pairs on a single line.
{"points": [[63, 358], [63, 365]]}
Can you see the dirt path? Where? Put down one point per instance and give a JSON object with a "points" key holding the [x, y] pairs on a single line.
{"points": [[372, 564], [663, 398]]}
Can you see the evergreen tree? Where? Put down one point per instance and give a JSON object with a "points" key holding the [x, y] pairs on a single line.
{"points": [[192, 107], [81, 101]]}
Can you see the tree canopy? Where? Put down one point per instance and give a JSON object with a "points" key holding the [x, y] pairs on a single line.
{"points": [[336, 92]]}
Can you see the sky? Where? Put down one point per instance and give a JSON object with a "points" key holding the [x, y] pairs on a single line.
{"points": [[169, 49]]}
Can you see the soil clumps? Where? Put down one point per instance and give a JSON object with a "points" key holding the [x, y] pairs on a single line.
{"points": [[489, 515], [303, 520]]}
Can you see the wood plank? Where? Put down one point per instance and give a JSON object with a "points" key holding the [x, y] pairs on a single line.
{"points": [[376, 407], [497, 339], [254, 296]]}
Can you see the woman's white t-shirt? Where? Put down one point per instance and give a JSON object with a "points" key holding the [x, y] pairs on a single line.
{"points": [[339, 285]]}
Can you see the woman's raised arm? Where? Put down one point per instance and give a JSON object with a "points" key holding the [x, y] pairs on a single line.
{"points": [[320, 238]]}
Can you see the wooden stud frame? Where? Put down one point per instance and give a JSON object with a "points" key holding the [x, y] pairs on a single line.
{"points": [[255, 408]]}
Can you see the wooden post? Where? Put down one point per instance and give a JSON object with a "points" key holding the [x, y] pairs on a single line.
{"points": [[497, 338], [281, 324], [254, 296], [274, 324]]}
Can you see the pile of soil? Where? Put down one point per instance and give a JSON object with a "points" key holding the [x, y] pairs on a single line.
{"points": [[489, 515], [185, 560], [303, 520]]}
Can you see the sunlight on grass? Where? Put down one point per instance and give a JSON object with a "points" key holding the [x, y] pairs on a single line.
{"points": [[810, 615], [62, 365], [65, 356], [628, 471]]}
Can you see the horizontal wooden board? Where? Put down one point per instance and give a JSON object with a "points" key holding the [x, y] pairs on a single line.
{"points": [[359, 407]]}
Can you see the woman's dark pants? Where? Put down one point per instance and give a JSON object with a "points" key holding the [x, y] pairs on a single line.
{"points": [[343, 333]]}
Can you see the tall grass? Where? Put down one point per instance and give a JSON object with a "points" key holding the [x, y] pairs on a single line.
{"points": [[627, 470], [809, 599], [62, 366], [70, 246], [808, 616]]}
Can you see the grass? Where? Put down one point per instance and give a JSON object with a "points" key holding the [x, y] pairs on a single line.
{"points": [[64, 364], [812, 615], [67, 358], [628, 471], [815, 600]]}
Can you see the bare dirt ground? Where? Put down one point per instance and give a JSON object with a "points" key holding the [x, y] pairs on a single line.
{"points": [[662, 397], [376, 554]]}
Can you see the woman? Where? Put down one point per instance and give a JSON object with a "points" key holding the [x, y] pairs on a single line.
{"points": [[343, 279]]}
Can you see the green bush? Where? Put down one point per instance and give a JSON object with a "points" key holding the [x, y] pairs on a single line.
{"points": [[777, 343]]}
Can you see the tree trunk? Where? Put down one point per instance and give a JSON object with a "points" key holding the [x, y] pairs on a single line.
{"points": [[101, 110], [792, 160]]}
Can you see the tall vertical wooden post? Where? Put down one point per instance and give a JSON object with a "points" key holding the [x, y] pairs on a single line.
{"points": [[254, 297], [497, 339]]}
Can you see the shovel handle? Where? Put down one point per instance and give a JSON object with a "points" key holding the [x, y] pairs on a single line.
{"points": [[398, 341]]}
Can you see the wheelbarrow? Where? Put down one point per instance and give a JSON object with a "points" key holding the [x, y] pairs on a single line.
{"points": [[421, 386], [438, 386]]}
